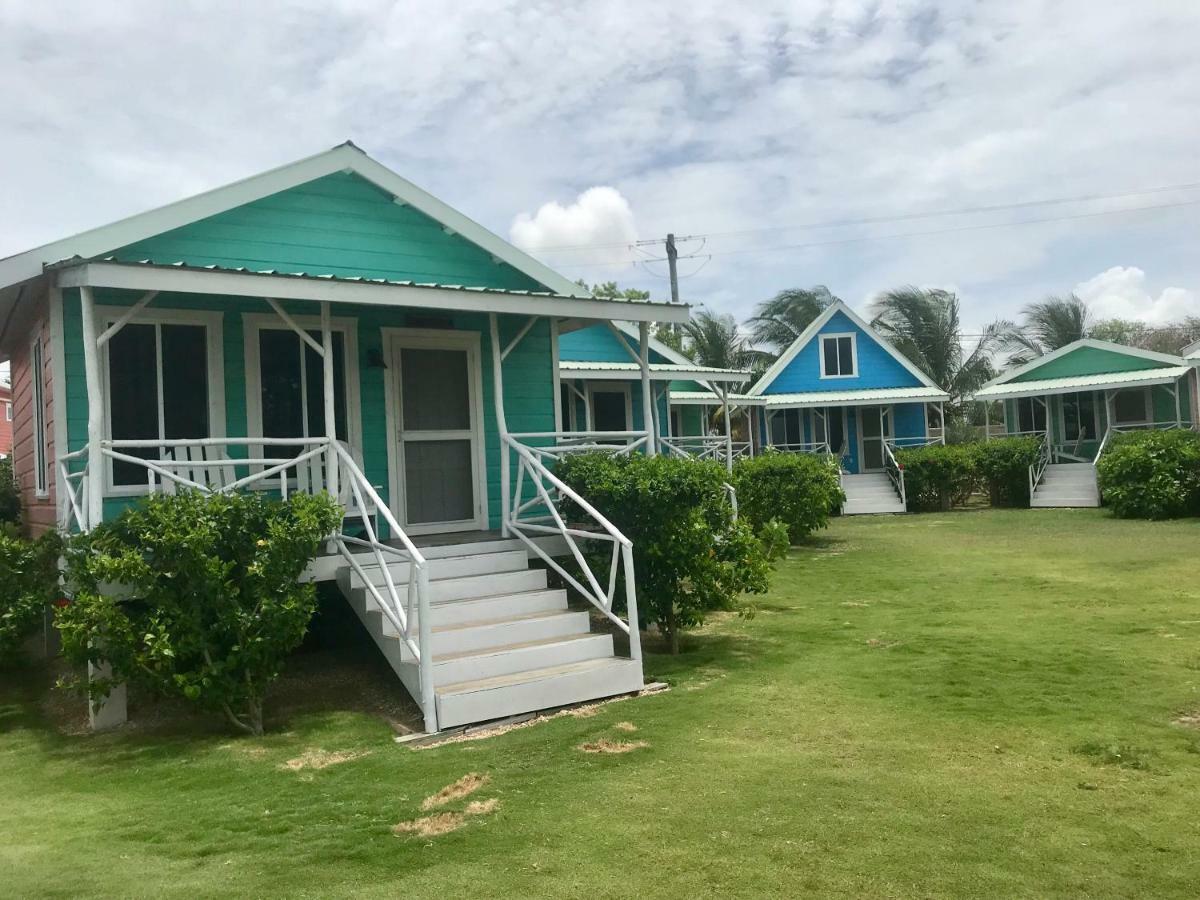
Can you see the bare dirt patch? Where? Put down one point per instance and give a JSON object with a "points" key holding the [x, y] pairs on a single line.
{"points": [[881, 643], [625, 726], [1189, 720], [464, 787], [322, 759], [604, 745], [445, 822]]}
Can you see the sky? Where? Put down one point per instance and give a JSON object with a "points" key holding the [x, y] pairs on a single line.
{"points": [[595, 125]]}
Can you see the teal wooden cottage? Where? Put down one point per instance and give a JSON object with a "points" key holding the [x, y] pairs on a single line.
{"points": [[330, 326], [842, 389], [1075, 399], [599, 390]]}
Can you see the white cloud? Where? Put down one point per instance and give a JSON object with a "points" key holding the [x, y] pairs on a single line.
{"points": [[600, 216], [1121, 293]]}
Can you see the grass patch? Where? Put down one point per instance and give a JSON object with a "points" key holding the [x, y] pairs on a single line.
{"points": [[993, 752]]}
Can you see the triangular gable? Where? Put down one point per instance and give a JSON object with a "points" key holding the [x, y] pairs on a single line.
{"points": [[902, 371], [346, 158], [597, 343], [1087, 357]]}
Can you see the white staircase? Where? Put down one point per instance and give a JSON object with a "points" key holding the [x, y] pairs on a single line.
{"points": [[870, 494], [1067, 484], [503, 642]]}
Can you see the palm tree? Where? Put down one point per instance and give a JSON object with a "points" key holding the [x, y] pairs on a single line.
{"points": [[779, 321], [924, 325], [1046, 326]]}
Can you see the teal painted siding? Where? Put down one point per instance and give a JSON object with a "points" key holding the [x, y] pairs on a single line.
{"points": [[597, 343], [337, 225], [528, 376]]}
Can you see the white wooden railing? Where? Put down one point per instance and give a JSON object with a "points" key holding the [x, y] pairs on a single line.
{"points": [[895, 472], [553, 445], [704, 446], [320, 464], [1038, 469], [539, 507], [802, 447]]}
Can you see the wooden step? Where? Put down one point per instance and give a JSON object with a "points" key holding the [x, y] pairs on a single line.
{"points": [[448, 567], [450, 668], [478, 609]]}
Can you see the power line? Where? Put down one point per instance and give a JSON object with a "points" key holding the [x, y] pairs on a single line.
{"points": [[876, 220], [907, 234]]}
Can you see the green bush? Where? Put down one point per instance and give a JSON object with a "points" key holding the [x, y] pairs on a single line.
{"points": [[939, 476], [208, 604], [799, 489], [1151, 474], [690, 556], [10, 496], [1003, 467], [28, 583]]}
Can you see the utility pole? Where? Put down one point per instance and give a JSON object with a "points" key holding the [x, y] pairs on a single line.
{"points": [[672, 259]]}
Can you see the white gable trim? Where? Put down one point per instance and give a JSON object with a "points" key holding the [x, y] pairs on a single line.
{"points": [[343, 158], [812, 330], [1040, 361]]}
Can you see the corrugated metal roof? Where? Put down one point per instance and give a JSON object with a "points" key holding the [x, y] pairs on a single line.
{"points": [[688, 398], [862, 397], [1109, 380], [184, 266], [581, 369]]}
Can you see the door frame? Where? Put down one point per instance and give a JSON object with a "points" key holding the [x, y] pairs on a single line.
{"points": [[610, 387], [884, 434], [395, 339]]}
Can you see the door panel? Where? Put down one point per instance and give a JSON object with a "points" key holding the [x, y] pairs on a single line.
{"points": [[874, 427]]}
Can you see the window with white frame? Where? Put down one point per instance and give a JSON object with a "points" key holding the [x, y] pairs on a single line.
{"points": [[163, 374], [1079, 417], [8, 412], [37, 375], [285, 381], [1131, 406], [611, 408], [839, 356]]}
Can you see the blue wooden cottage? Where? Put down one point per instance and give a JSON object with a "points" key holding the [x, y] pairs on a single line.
{"points": [[329, 326], [599, 375], [841, 388]]}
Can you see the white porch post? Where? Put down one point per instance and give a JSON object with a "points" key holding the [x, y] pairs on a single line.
{"points": [[728, 432], [647, 399], [1178, 411], [501, 423], [331, 464], [942, 418], [987, 420], [95, 419]]}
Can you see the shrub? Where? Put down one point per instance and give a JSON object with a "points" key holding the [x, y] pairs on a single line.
{"points": [[1003, 466], [209, 604], [690, 556], [1152, 474], [798, 489], [10, 496], [28, 583], [939, 476]]}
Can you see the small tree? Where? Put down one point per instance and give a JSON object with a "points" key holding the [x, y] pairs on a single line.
{"points": [[28, 583], [208, 604], [690, 556]]}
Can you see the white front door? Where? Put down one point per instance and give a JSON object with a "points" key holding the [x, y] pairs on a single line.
{"points": [[437, 469]]}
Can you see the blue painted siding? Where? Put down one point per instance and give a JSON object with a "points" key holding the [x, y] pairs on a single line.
{"points": [[876, 367], [908, 420]]}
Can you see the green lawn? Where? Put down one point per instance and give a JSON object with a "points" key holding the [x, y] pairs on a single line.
{"points": [[971, 704]]}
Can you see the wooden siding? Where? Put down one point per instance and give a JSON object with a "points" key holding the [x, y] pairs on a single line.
{"points": [[597, 343], [1088, 361], [337, 225], [876, 367], [528, 375], [37, 512]]}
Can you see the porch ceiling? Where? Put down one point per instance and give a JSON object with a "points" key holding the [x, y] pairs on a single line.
{"points": [[185, 279], [855, 398], [1111, 381], [621, 371]]}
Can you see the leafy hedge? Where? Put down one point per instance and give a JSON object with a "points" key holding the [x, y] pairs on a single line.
{"points": [[28, 584], [939, 476], [800, 490], [10, 496], [1003, 468], [1152, 474], [209, 603], [690, 556]]}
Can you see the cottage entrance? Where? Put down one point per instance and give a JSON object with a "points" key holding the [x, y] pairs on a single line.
{"points": [[874, 428], [437, 455]]}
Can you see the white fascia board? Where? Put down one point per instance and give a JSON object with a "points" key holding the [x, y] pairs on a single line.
{"points": [[124, 276], [815, 326], [1039, 361], [572, 369], [1041, 388], [343, 158]]}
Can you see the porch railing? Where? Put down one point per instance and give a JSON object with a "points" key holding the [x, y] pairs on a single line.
{"points": [[704, 446], [801, 447], [555, 444], [1038, 469], [895, 472], [206, 466], [541, 505]]}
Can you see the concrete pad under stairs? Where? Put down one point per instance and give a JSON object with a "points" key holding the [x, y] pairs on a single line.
{"points": [[870, 494], [503, 641], [1067, 485]]}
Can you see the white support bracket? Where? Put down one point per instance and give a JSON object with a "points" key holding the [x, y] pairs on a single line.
{"points": [[520, 336], [291, 323], [125, 318]]}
